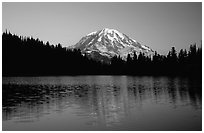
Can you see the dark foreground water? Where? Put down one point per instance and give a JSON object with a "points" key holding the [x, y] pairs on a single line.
{"points": [[101, 103]]}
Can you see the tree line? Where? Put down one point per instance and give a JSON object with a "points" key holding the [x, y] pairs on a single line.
{"points": [[26, 56]]}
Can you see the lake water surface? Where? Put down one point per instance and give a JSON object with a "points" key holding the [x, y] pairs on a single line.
{"points": [[101, 103]]}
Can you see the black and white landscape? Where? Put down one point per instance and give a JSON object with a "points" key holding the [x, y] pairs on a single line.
{"points": [[102, 66]]}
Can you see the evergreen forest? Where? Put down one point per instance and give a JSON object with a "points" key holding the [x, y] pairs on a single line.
{"points": [[26, 56]]}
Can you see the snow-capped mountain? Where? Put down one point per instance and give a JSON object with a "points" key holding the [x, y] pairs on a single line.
{"points": [[108, 43]]}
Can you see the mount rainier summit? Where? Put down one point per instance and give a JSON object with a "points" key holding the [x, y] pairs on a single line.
{"points": [[107, 43]]}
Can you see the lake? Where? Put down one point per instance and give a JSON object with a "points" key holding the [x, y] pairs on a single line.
{"points": [[120, 103]]}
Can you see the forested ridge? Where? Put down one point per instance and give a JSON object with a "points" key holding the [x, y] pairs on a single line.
{"points": [[26, 56]]}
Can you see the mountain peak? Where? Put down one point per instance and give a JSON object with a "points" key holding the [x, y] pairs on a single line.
{"points": [[108, 30], [110, 42]]}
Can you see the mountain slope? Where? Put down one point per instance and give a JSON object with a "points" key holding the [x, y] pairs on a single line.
{"points": [[108, 43]]}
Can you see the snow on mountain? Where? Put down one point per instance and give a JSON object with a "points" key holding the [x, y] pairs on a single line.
{"points": [[110, 42], [92, 33]]}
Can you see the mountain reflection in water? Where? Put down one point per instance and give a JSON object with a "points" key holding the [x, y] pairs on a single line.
{"points": [[101, 103]]}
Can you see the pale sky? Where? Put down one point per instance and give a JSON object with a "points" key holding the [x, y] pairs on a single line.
{"points": [[157, 25]]}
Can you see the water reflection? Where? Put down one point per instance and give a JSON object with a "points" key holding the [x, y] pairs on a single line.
{"points": [[104, 101]]}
